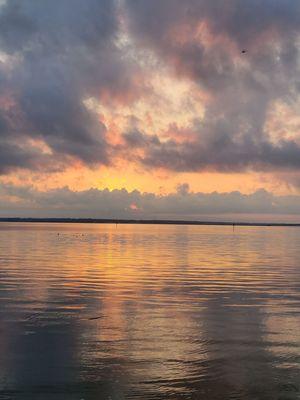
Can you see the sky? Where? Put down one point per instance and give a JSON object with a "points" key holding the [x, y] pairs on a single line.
{"points": [[150, 109]]}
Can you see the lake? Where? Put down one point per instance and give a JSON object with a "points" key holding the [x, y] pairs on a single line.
{"points": [[92, 311]]}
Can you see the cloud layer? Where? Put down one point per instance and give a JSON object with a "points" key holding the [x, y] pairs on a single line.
{"points": [[54, 56], [206, 42], [69, 70], [182, 204]]}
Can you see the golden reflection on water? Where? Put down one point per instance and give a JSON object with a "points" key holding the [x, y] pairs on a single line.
{"points": [[134, 311]]}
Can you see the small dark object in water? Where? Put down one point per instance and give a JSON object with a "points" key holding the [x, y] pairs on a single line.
{"points": [[244, 51], [94, 318], [31, 317], [288, 387]]}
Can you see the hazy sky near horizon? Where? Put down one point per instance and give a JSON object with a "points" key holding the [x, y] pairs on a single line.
{"points": [[191, 107]]}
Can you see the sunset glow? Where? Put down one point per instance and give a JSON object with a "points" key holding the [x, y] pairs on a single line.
{"points": [[148, 96]]}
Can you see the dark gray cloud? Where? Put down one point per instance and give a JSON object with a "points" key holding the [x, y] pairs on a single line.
{"points": [[243, 87], [216, 150], [137, 139], [182, 204], [60, 55], [221, 152], [241, 20]]}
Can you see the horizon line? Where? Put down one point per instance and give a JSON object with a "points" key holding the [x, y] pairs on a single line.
{"points": [[143, 221]]}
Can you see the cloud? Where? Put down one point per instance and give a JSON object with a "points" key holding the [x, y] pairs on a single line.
{"points": [[182, 204], [54, 56], [202, 41], [218, 150], [241, 20], [137, 139], [223, 153]]}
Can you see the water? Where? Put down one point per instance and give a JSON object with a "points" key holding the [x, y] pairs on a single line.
{"points": [[149, 312]]}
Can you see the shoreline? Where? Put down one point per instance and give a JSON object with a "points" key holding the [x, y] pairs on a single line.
{"points": [[144, 222]]}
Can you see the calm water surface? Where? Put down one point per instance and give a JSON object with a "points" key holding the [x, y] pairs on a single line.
{"points": [[149, 312]]}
